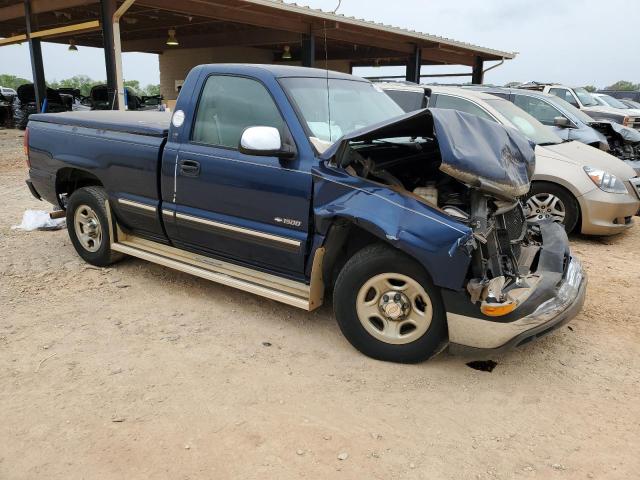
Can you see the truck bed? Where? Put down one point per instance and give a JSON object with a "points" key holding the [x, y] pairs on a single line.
{"points": [[154, 124]]}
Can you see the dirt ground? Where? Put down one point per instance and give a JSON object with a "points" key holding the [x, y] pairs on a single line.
{"points": [[138, 371]]}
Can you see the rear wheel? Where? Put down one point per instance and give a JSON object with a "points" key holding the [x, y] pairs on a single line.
{"points": [[548, 201], [388, 308], [89, 228]]}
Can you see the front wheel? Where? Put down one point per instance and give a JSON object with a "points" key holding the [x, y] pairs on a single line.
{"points": [[388, 308], [548, 201]]}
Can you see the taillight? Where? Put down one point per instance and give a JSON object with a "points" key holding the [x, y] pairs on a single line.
{"points": [[26, 146]]}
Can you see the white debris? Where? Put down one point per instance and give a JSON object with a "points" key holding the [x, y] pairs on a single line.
{"points": [[39, 220]]}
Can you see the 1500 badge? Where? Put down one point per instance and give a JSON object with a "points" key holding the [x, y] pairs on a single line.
{"points": [[288, 221]]}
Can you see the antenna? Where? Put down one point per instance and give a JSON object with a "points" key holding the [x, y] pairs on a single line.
{"points": [[326, 67]]}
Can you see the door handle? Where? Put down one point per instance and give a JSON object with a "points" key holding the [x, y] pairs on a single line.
{"points": [[189, 168]]}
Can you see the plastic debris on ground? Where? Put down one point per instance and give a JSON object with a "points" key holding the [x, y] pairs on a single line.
{"points": [[39, 220]]}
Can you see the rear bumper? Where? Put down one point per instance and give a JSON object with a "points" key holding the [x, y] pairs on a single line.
{"points": [[549, 316], [33, 190], [556, 297]]}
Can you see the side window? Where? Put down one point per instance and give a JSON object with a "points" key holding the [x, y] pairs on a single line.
{"points": [[462, 105], [564, 94], [537, 108], [228, 106]]}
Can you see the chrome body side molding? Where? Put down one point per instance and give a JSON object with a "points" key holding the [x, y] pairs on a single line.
{"points": [[298, 294]]}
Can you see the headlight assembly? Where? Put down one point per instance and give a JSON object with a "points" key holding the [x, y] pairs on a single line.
{"points": [[606, 181]]}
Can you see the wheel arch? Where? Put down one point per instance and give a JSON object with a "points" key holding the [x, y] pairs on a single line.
{"points": [[346, 236], [569, 189], [70, 179]]}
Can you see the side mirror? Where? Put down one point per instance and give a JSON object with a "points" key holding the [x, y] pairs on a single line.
{"points": [[561, 122], [264, 142]]}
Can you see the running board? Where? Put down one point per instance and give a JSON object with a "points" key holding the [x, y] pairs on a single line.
{"points": [[297, 294]]}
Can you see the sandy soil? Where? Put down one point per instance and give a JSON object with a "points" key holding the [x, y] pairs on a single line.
{"points": [[138, 371]]}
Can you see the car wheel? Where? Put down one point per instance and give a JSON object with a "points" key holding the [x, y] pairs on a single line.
{"points": [[548, 201], [388, 308], [89, 228]]}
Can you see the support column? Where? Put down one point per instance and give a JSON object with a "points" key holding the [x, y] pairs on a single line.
{"points": [[107, 9], [477, 77], [414, 66], [37, 68], [309, 50]]}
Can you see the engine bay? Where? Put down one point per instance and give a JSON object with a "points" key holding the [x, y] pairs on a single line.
{"points": [[505, 246]]}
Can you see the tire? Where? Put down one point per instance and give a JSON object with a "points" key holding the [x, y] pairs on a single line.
{"points": [[88, 226], [372, 325], [540, 203]]}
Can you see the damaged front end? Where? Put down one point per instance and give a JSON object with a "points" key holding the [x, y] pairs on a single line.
{"points": [[464, 178], [624, 142]]}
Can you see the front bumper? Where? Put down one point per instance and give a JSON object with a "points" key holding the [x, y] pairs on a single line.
{"points": [[549, 316], [557, 298], [607, 213]]}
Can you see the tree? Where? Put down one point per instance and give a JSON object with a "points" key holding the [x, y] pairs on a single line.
{"points": [[590, 88], [79, 82], [151, 90], [11, 81], [624, 85]]}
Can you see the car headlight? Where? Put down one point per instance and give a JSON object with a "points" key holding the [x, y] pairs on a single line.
{"points": [[605, 181]]}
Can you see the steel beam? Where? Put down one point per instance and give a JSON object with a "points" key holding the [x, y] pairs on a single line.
{"points": [[309, 50], [37, 68], [414, 65], [107, 9], [478, 71]]}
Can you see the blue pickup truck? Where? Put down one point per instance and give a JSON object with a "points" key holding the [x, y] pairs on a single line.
{"points": [[291, 183]]}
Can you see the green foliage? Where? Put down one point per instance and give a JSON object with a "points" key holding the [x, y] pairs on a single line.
{"points": [[11, 81], [151, 90], [624, 85], [590, 88], [81, 82]]}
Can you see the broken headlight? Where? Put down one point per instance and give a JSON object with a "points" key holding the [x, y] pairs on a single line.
{"points": [[605, 181]]}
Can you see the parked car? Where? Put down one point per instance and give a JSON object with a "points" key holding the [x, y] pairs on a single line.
{"points": [[630, 103], [7, 93], [150, 102], [582, 99], [73, 99], [609, 101], [569, 123], [5, 111], [99, 98], [621, 94], [24, 104], [581, 187], [287, 181]]}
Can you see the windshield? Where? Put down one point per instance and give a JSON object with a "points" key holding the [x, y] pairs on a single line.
{"points": [[585, 97], [613, 102], [354, 105], [570, 109], [525, 123]]}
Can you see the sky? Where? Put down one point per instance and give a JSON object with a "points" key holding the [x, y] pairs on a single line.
{"points": [[577, 42]]}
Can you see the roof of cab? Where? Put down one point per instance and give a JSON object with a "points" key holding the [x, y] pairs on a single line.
{"points": [[278, 71]]}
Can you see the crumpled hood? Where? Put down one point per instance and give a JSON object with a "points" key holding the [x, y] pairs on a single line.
{"points": [[629, 135], [477, 152]]}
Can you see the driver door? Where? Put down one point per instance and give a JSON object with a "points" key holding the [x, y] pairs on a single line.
{"points": [[249, 209]]}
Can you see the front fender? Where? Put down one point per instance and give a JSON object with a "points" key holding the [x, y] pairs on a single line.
{"points": [[440, 244]]}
